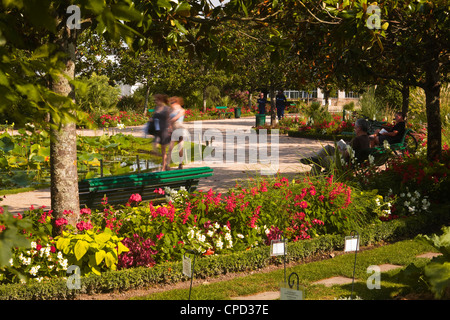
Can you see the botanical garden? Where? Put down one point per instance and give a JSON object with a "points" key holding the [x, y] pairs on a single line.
{"points": [[399, 207]]}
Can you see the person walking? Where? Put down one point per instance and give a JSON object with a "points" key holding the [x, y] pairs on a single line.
{"points": [[176, 119], [280, 102], [261, 103], [161, 126]]}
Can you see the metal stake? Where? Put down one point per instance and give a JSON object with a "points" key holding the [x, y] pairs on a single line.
{"points": [[193, 269], [354, 266]]}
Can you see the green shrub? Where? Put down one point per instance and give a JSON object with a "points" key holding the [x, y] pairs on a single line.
{"points": [[93, 252]]}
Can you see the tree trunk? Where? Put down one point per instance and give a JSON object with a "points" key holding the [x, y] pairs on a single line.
{"points": [[273, 107], [204, 99], [405, 100], [432, 97], [147, 93], [63, 145]]}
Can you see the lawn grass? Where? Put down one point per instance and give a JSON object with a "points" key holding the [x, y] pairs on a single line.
{"points": [[393, 283]]}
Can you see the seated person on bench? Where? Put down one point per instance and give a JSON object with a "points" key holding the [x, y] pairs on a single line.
{"points": [[393, 135], [325, 157]]}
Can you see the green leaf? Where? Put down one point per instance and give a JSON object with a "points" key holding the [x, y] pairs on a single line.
{"points": [[439, 277], [121, 248], [102, 237], [126, 13], [182, 7], [99, 256], [164, 4], [80, 249], [109, 259], [96, 6]]}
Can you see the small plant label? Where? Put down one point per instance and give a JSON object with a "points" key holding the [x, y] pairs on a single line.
{"points": [[351, 244], [277, 248], [287, 293], [187, 270]]}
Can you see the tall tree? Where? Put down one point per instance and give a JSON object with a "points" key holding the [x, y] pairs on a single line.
{"points": [[407, 41], [50, 31]]}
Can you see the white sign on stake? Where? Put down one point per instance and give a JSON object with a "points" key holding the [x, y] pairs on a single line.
{"points": [[277, 248], [287, 293], [351, 244], [187, 266]]}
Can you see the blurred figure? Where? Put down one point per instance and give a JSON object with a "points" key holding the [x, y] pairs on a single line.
{"points": [[176, 119], [261, 103], [161, 125], [281, 101]]}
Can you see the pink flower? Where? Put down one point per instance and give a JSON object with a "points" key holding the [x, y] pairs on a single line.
{"points": [[82, 225], [85, 211], [159, 236], [135, 198], [302, 204], [61, 222], [160, 191]]}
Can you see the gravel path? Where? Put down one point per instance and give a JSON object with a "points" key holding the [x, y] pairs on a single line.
{"points": [[226, 169]]}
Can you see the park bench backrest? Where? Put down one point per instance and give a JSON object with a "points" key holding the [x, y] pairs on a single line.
{"points": [[118, 189]]}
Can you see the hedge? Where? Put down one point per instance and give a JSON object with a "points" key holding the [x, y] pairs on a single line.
{"points": [[209, 266]]}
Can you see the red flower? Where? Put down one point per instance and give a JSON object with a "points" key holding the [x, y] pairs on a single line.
{"points": [[85, 211], [135, 198], [61, 222], [159, 236]]}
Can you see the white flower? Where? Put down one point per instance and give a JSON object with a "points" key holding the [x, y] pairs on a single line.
{"points": [[33, 245], [120, 126], [240, 236], [216, 225], [34, 270], [210, 233], [219, 244], [11, 262], [64, 264]]}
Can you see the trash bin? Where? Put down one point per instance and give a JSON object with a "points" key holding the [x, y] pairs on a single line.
{"points": [[237, 112], [260, 120]]}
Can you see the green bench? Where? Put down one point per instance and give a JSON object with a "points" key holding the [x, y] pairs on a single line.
{"points": [[221, 110], [408, 143], [118, 189]]}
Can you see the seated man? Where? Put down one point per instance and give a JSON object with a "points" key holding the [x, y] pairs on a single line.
{"points": [[391, 135], [325, 157]]}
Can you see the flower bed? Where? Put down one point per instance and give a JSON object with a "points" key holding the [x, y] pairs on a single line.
{"points": [[207, 222]]}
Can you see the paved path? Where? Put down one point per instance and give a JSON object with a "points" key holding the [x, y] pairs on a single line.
{"points": [[226, 172]]}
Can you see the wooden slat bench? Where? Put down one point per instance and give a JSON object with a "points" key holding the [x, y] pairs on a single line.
{"points": [[221, 110], [118, 189]]}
